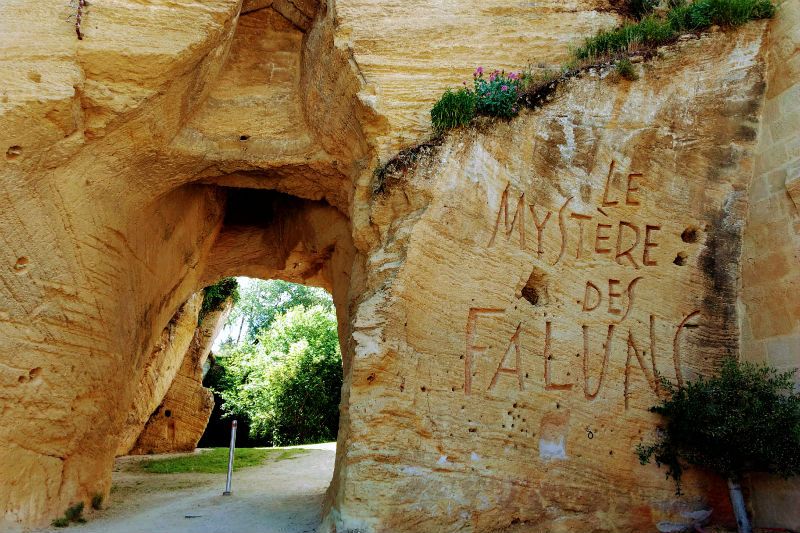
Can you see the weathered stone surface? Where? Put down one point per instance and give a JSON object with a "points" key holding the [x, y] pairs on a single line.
{"points": [[180, 142], [771, 249], [160, 371], [536, 279], [180, 419]]}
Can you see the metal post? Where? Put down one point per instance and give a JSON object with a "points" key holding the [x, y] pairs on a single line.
{"points": [[230, 460]]}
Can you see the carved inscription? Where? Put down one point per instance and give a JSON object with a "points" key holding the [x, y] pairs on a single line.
{"points": [[515, 357], [611, 234], [596, 236]]}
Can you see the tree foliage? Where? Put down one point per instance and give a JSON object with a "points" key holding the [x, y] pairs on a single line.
{"points": [[214, 295], [262, 301], [288, 383], [747, 419]]}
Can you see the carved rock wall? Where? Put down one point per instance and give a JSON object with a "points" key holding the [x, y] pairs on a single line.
{"points": [[771, 254], [180, 419], [535, 278], [160, 370], [180, 142]]}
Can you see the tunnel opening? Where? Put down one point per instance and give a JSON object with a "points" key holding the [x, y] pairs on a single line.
{"points": [[275, 367], [297, 250], [266, 354]]}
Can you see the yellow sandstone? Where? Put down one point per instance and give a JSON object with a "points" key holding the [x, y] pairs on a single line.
{"points": [[506, 305]]}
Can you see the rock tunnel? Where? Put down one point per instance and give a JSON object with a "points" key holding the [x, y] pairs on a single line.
{"points": [[505, 303]]}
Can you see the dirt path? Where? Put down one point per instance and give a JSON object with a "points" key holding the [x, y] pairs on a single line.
{"points": [[277, 497]]}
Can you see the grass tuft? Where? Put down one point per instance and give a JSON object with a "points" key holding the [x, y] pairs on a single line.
{"points": [[655, 30], [454, 109], [626, 70], [60, 522], [215, 460], [74, 513]]}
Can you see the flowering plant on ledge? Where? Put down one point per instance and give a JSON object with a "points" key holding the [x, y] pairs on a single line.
{"points": [[497, 94]]}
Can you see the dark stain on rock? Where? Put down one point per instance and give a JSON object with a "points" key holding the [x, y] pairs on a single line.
{"points": [[719, 262], [721, 253], [747, 133]]}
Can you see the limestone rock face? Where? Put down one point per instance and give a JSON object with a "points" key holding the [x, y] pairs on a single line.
{"points": [[503, 308], [179, 421], [771, 246], [537, 277], [160, 370]]}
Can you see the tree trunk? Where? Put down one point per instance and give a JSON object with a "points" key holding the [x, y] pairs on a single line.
{"points": [[739, 508], [241, 327]]}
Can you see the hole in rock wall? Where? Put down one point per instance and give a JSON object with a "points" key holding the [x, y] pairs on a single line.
{"points": [[266, 354], [680, 259], [13, 152], [21, 264], [535, 289], [276, 367], [690, 234]]}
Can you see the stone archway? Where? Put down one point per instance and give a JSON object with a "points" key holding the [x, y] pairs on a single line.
{"points": [[485, 386]]}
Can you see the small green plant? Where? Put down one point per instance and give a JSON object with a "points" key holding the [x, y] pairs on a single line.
{"points": [[497, 94], [747, 419], [626, 70], [215, 295], [74, 513], [494, 96], [97, 501], [454, 109]]}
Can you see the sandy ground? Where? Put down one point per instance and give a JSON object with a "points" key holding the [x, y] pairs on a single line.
{"points": [[277, 497]]}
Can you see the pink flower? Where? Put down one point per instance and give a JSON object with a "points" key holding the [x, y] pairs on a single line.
{"points": [[478, 71], [504, 88], [513, 76]]}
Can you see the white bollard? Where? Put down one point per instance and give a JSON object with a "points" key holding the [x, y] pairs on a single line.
{"points": [[230, 460]]}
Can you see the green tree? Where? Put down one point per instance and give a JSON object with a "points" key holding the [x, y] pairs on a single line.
{"points": [[261, 301], [747, 419], [289, 383], [215, 295]]}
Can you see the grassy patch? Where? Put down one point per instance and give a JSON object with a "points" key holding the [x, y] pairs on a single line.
{"points": [[454, 109], [74, 513], [60, 522], [656, 30], [215, 460]]}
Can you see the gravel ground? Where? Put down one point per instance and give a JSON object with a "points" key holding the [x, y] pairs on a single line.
{"points": [[277, 497]]}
